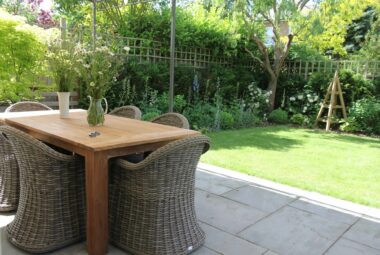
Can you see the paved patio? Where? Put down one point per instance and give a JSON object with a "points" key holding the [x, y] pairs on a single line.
{"points": [[246, 215]]}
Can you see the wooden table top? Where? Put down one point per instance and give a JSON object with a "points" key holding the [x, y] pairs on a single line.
{"points": [[117, 132]]}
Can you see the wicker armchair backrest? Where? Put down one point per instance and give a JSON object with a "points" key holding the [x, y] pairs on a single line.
{"points": [[172, 119], [37, 161], [27, 106], [168, 171], [128, 111]]}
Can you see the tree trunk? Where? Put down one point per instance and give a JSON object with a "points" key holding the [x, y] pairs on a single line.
{"points": [[272, 86]]}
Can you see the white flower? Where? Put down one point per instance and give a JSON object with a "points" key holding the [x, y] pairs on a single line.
{"points": [[86, 66], [92, 84], [266, 100], [127, 49], [114, 79], [300, 97], [292, 99]]}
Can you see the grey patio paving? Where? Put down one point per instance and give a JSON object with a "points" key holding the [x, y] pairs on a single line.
{"points": [[246, 215]]}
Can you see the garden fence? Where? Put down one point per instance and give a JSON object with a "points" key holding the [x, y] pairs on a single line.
{"points": [[144, 50], [369, 69]]}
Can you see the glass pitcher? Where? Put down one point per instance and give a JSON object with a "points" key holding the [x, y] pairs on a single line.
{"points": [[95, 112]]}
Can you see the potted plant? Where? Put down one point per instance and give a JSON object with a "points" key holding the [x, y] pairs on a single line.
{"points": [[98, 69], [62, 59]]}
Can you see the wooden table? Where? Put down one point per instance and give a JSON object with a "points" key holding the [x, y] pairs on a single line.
{"points": [[119, 136]]}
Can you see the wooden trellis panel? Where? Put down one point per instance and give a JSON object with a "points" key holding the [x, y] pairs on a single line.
{"points": [[330, 101], [369, 69]]}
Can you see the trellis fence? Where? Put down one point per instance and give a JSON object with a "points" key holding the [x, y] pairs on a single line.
{"points": [[369, 69], [144, 50]]}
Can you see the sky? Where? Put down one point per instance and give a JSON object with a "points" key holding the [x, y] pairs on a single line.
{"points": [[46, 5]]}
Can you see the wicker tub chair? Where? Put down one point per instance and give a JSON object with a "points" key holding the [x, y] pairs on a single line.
{"points": [[51, 210], [172, 119], [152, 202], [27, 106], [9, 181], [129, 111]]}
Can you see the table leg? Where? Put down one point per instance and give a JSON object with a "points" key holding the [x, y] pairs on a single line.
{"points": [[97, 202]]}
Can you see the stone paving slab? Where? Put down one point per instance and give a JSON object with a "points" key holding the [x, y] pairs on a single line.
{"points": [[348, 247], [205, 251], [270, 253], [228, 244], [260, 198], [366, 231], [216, 184], [223, 213], [326, 211], [290, 231]]}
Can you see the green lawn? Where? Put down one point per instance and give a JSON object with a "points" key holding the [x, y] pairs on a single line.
{"points": [[343, 166]]}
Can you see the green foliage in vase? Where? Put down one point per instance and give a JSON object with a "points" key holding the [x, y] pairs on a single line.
{"points": [[98, 68], [63, 63]]}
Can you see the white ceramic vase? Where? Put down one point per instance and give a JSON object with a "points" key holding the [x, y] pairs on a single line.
{"points": [[64, 104]]}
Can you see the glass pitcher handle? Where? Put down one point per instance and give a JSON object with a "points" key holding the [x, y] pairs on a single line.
{"points": [[106, 110]]}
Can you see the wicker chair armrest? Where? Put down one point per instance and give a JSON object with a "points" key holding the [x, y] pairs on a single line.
{"points": [[161, 151]]}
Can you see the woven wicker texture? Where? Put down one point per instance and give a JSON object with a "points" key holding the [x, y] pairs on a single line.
{"points": [[152, 202], [9, 182], [51, 211], [128, 111], [172, 119], [27, 106]]}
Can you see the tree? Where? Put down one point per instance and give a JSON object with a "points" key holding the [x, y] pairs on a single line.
{"points": [[274, 13], [371, 46], [357, 30], [326, 28]]}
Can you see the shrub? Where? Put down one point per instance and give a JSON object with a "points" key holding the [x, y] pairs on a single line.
{"points": [[278, 116], [354, 86], [21, 54], [201, 116], [150, 115], [350, 126], [364, 116], [226, 120], [299, 119], [249, 119]]}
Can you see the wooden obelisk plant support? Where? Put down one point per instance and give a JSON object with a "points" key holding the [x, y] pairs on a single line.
{"points": [[334, 92]]}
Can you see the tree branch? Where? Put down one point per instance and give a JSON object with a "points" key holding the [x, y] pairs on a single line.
{"points": [[254, 57], [264, 51], [285, 53], [301, 4]]}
